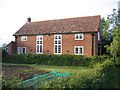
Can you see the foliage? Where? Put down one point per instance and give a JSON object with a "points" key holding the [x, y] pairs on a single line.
{"points": [[97, 60], [108, 27], [4, 53], [9, 83], [114, 47], [56, 60], [99, 78]]}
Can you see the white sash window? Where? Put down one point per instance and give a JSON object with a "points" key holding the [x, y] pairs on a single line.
{"points": [[57, 44], [79, 50], [39, 44]]}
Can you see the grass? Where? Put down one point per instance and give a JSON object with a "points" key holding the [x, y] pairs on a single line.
{"points": [[90, 72], [61, 69], [7, 64]]}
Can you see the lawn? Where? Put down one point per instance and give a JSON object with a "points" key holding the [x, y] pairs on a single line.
{"points": [[61, 69]]}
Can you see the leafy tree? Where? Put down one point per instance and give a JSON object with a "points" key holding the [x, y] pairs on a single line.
{"points": [[114, 47], [106, 38], [108, 27]]}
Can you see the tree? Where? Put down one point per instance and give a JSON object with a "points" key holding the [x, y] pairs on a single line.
{"points": [[108, 27], [114, 47]]}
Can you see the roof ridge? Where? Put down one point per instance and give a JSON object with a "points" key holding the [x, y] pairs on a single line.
{"points": [[66, 18], [81, 24]]}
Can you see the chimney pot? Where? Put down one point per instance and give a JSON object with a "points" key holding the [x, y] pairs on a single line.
{"points": [[28, 19]]}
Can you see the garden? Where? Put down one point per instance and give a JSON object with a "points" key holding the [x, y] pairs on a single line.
{"points": [[94, 72], [85, 72]]}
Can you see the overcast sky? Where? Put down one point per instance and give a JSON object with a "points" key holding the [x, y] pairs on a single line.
{"points": [[14, 13]]}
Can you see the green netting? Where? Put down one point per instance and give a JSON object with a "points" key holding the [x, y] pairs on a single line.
{"points": [[38, 79]]}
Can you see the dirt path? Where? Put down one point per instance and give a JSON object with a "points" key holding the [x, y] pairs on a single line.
{"points": [[25, 72]]}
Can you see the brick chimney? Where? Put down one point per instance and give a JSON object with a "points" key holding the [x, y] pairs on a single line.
{"points": [[28, 19]]}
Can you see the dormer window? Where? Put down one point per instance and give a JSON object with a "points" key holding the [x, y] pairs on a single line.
{"points": [[24, 38], [79, 36]]}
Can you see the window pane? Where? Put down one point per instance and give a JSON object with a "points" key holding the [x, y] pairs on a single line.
{"points": [[40, 38], [37, 38], [55, 42], [37, 42], [55, 48], [98, 35], [76, 37], [81, 50], [7, 50], [55, 37], [59, 49], [25, 38], [59, 37], [76, 50], [81, 36], [18, 50], [37, 48], [40, 48], [40, 42], [59, 42], [23, 50]]}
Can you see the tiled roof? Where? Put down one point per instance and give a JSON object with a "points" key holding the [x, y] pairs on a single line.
{"points": [[70, 25]]}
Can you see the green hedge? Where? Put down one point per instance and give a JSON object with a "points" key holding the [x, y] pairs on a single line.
{"points": [[59, 60]]}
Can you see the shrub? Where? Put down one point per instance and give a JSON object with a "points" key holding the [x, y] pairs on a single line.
{"points": [[84, 80], [4, 53], [99, 78], [59, 60], [97, 59], [44, 59]]}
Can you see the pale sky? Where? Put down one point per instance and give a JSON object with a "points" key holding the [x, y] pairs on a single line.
{"points": [[14, 13]]}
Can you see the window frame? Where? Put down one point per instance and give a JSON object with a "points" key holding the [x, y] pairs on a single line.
{"points": [[39, 36], [57, 43], [22, 38], [79, 50], [22, 50], [79, 36], [18, 50], [8, 49], [98, 35]]}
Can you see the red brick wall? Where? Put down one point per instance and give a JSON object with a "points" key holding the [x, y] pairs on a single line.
{"points": [[68, 44], [12, 47], [48, 44], [30, 44]]}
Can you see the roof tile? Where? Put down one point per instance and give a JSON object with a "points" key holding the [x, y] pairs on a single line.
{"points": [[71, 25]]}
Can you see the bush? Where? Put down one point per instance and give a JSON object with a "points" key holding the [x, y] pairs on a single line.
{"points": [[10, 84], [4, 53], [97, 59], [44, 59], [99, 78], [59, 60]]}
